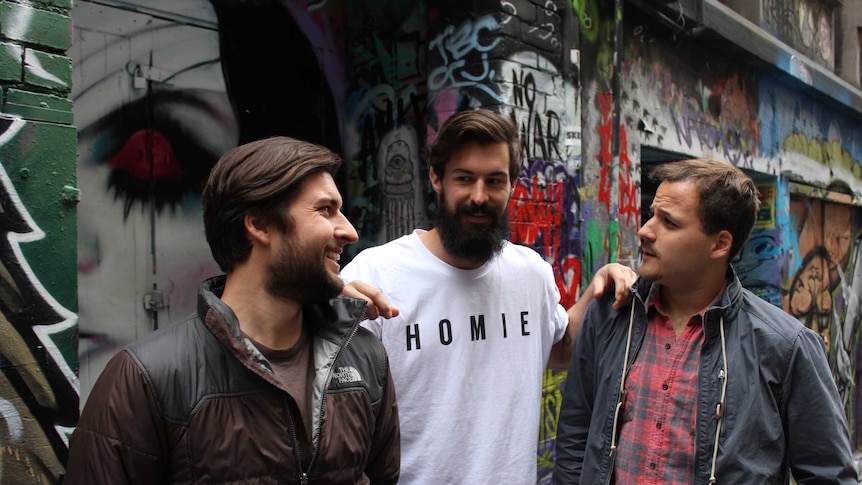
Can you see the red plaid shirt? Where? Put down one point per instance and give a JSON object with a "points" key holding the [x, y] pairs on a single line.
{"points": [[656, 444]]}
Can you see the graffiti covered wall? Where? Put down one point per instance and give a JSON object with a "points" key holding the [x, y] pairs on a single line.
{"points": [[807, 25], [38, 196], [821, 146], [153, 116], [375, 80], [38, 387], [385, 111]]}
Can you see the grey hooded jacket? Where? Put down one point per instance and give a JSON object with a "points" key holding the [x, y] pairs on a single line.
{"points": [[782, 412]]}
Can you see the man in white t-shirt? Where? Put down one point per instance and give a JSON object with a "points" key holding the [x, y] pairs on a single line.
{"points": [[478, 316]]}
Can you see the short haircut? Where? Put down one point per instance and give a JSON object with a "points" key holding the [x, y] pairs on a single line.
{"points": [[728, 197], [261, 179], [481, 126]]}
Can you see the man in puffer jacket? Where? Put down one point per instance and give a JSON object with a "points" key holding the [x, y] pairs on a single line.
{"points": [[271, 380]]}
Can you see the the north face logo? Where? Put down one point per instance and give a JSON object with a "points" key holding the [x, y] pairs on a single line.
{"points": [[346, 375]]}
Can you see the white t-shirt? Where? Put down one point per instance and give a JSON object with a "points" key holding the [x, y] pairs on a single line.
{"points": [[467, 354]]}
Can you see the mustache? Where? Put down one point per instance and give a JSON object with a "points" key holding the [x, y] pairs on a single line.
{"points": [[476, 210], [645, 249]]}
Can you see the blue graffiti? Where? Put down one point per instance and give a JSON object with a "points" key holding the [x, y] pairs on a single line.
{"points": [[453, 45]]}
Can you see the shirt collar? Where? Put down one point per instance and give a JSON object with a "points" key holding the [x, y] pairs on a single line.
{"points": [[653, 301]]}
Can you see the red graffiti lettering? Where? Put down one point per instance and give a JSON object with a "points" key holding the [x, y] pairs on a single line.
{"points": [[568, 278], [605, 157], [627, 201], [537, 214], [628, 187]]}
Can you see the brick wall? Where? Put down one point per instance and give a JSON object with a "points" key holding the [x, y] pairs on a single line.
{"points": [[38, 350]]}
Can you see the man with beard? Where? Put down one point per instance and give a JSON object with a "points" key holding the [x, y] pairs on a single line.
{"points": [[272, 380], [479, 316]]}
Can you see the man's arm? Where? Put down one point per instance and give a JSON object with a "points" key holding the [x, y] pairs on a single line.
{"points": [[576, 411], [360, 278], [818, 442], [378, 306], [118, 438], [611, 276]]}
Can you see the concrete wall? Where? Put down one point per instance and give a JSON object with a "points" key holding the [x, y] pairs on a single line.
{"points": [[38, 196], [809, 26], [848, 62]]}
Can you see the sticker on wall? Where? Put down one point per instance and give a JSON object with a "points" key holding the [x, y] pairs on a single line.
{"points": [[573, 136], [766, 215]]}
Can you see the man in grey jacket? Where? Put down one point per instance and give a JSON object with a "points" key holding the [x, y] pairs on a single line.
{"points": [[699, 381]]}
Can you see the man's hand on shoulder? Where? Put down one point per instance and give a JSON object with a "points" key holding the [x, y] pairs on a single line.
{"points": [[616, 276], [612, 275], [378, 306]]}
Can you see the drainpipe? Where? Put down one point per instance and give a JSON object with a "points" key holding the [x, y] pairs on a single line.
{"points": [[152, 295], [616, 93], [616, 88]]}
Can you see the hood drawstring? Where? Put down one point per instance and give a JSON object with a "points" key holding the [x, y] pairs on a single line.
{"points": [[621, 400], [719, 408]]}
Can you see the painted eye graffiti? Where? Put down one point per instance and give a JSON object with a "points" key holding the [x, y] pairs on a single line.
{"points": [[147, 155], [152, 150]]}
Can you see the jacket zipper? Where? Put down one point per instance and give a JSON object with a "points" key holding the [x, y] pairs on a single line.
{"points": [[303, 474], [316, 443]]}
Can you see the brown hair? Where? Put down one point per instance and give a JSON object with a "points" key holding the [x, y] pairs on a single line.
{"points": [[260, 178], [728, 197], [481, 126]]}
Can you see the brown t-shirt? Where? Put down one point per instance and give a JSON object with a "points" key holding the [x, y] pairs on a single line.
{"points": [[294, 369]]}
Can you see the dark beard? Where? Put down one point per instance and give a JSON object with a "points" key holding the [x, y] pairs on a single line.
{"points": [[476, 244], [299, 275]]}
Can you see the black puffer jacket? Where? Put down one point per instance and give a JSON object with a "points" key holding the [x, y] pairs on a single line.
{"points": [[197, 403]]}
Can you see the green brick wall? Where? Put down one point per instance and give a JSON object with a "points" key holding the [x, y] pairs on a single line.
{"points": [[44, 27], [38, 219]]}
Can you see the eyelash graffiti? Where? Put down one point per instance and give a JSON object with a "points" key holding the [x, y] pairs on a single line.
{"points": [[152, 157]]}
